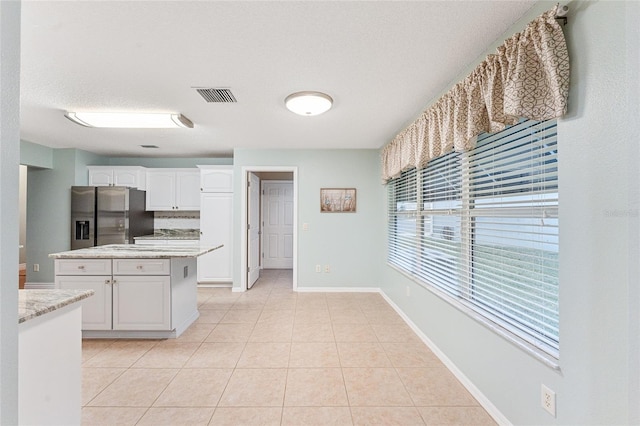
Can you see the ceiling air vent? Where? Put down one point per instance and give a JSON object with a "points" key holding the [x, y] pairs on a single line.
{"points": [[216, 95]]}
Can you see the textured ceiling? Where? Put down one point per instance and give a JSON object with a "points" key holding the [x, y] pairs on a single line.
{"points": [[380, 61]]}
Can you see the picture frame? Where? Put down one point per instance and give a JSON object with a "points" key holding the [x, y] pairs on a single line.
{"points": [[337, 200]]}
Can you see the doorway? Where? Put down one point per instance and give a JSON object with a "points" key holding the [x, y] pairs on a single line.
{"points": [[278, 218]]}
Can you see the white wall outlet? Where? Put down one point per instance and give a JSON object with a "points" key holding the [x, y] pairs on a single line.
{"points": [[318, 268], [408, 291], [327, 269], [36, 267], [548, 400], [305, 226]]}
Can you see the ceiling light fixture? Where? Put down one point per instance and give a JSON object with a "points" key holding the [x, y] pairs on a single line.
{"points": [[308, 103], [129, 120]]}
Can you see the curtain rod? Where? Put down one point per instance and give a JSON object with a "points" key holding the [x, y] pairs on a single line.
{"points": [[561, 14]]}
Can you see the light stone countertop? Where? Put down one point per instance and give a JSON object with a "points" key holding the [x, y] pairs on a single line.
{"points": [[133, 251], [34, 303], [172, 234]]}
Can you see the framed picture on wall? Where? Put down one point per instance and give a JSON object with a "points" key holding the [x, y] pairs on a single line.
{"points": [[337, 200]]}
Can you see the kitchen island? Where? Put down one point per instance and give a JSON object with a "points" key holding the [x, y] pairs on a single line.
{"points": [[140, 291]]}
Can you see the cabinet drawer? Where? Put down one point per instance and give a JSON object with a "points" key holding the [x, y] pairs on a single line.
{"points": [[83, 267], [141, 266]]}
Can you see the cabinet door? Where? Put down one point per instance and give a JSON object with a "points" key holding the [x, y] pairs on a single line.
{"points": [[216, 179], [216, 224], [161, 190], [101, 177], [96, 310], [188, 190], [141, 302], [126, 177]]}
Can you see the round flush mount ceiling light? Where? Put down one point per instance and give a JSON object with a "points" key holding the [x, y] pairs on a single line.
{"points": [[308, 103]]}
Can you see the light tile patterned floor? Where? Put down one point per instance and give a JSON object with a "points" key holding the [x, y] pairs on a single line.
{"points": [[271, 356]]}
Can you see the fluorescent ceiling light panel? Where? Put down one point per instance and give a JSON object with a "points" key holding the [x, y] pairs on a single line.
{"points": [[308, 103], [130, 120]]}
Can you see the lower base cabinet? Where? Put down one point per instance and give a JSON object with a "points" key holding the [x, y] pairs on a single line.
{"points": [[155, 295]]}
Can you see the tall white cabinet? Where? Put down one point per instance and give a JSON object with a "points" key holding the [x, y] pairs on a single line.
{"points": [[216, 224]]}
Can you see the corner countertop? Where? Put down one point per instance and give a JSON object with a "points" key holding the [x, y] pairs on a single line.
{"points": [[172, 234], [134, 251], [35, 303]]}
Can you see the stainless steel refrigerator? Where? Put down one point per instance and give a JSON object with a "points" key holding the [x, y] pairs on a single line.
{"points": [[108, 215]]}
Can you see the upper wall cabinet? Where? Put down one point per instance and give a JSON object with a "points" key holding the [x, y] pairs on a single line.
{"points": [[173, 189], [216, 178], [131, 176]]}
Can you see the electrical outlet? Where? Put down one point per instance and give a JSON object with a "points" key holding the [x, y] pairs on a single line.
{"points": [[408, 291], [327, 269], [318, 268], [305, 227], [548, 400], [36, 267]]}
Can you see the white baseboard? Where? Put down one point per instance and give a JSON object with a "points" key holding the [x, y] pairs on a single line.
{"points": [[39, 286], [468, 384], [338, 289]]}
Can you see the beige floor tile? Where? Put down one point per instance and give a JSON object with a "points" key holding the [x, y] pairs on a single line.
{"points": [[375, 387], [312, 332], [311, 304], [216, 355], [391, 416], [196, 332], [135, 388], [471, 416], [197, 387], [112, 416], [383, 316], [315, 387], [91, 347], [316, 416], [394, 333], [280, 331], [168, 354], [255, 388], [248, 304], [354, 333], [348, 316], [435, 387], [312, 316], [219, 303], [230, 333], [411, 355], [95, 380], [210, 316], [280, 303], [176, 416], [122, 354], [310, 355], [265, 355], [276, 316], [250, 416], [240, 316], [357, 354], [341, 304]]}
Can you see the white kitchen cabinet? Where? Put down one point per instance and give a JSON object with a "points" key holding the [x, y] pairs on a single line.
{"points": [[131, 176], [216, 227], [216, 178], [136, 296], [173, 189]]}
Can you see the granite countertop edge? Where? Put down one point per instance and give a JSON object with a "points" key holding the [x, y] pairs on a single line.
{"points": [[171, 234], [35, 303], [133, 251]]}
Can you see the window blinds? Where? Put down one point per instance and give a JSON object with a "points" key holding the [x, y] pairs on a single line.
{"points": [[483, 227]]}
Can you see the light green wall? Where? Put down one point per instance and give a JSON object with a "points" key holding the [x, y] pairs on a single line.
{"points": [[349, 242], [599, 234], [34, 155]]}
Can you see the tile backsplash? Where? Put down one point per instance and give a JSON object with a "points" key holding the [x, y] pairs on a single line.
{"points": [[177, 220]]}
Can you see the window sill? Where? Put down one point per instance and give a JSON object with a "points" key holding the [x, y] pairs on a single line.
{"points": [[530, 349]]}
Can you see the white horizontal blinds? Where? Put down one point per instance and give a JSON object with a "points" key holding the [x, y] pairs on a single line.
{"points": [[439, 227], [513, 191], [402, 219]]}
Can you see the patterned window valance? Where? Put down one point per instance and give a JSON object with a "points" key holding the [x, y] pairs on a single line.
{"points": [[527, 77]]}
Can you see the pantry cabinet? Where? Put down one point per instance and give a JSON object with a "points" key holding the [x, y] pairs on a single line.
{"points": [[173, 189], [130, 176]]}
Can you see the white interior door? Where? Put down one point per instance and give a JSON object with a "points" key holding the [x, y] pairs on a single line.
{"points": [[277, 229], [253, 249]]}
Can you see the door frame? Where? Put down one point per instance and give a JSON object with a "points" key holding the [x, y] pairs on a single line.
{"points": [[244, 260]]}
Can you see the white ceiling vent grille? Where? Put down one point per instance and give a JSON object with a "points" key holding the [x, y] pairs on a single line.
{"points": [[216, 95]]}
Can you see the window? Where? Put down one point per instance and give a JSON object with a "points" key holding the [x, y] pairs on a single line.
{"points": [[482, 227]]}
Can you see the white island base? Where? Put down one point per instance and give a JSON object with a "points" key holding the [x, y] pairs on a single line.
{"points": [[148, 293]]}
